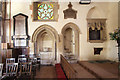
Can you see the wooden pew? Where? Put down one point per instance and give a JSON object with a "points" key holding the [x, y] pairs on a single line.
{"points": [[68, 69]]}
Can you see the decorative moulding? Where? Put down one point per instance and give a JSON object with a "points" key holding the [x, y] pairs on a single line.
{"points": [[96, 30], [70, 13]]}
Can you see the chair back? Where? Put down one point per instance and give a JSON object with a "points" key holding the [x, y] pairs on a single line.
{"points": [[22, 56], [31, 55], [32, 59], [11, 69], [22, 60], [10, 60], [37, 55], [25, 68], [1, 68]]}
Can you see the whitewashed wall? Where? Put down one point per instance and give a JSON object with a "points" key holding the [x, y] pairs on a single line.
{"points": [[101, 10]]}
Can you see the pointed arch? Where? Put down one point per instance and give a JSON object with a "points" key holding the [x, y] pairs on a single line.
{"points": [[41, 28], [71, 25], [95, 12], [76, 31], [38, 36]]}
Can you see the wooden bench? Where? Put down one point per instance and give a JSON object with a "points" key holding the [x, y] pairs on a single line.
{"points": [[68, 69]]}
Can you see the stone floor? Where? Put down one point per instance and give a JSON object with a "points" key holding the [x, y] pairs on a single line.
{"points": [[102, 70], [46, 72], [84, 70], [81, 72]]}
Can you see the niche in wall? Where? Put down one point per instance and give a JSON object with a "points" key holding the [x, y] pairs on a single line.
{"points": [[96, 25], [70, 34], [96, 30], [68, 40], [97, 51], [45, 42]]}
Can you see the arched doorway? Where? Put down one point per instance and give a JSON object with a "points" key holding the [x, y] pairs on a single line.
{"points": [[45, 40], [70, 34]]}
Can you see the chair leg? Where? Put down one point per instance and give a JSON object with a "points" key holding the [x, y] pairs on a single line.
{"points": [[34, 70]]}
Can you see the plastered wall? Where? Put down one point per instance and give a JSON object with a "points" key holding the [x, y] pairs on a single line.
{"points": [[105, 10]]}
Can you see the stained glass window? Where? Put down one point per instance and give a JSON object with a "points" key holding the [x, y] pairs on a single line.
{"points": [[45, 11]]}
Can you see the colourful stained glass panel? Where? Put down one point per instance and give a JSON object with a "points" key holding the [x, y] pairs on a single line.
{"points": [[45, 11]]}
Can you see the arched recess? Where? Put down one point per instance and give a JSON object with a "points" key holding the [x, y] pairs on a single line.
{"points": [[70, 34], [90, 11], [95, 12], [96, 24], [45, 39]]}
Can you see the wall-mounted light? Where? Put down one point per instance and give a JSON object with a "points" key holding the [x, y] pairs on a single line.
{"points": [[85, 1]]}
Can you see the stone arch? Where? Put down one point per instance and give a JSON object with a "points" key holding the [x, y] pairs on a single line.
{"points": [[40, 31], [71, 25], [95, 12], [42, 27], [76, 30]]}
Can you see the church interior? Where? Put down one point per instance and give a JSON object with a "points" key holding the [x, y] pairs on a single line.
{"points": [[59, 39]]}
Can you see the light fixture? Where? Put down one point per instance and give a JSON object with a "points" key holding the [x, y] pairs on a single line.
{"points": [[85, 1]]}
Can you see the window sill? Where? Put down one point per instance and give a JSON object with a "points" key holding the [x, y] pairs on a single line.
{"points": [[96, 41]]}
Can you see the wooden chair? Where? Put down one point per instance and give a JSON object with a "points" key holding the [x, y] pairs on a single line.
{"points": [[22, 60], [38, 60], [25, 69], [34, 64], [33, 60], [11, 69], [1, 69], [31, 56], [10, 60], [36, 54]]}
